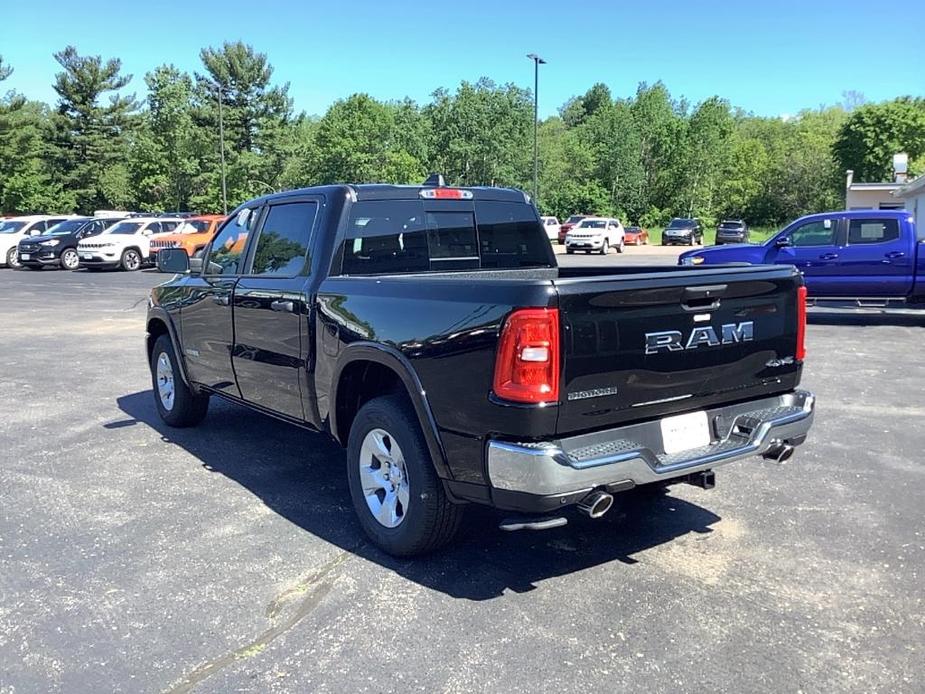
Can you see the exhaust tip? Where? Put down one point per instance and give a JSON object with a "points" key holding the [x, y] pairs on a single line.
{"points": [[596, 504], [779, 452]]}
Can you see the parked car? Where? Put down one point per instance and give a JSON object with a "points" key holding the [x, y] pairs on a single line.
{"points": [[57, 247], [567, 225], [636, 236], [192, 234], [377, 314], [731, 231], [14, 229], [125, 245], [552, 226], [869, 257], [684, 231], [596, 234]]}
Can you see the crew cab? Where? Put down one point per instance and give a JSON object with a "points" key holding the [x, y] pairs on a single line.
{"points": [[57, 247], [428, 330], [125, 245], [870, 257], [14, 229], [192, 234]]}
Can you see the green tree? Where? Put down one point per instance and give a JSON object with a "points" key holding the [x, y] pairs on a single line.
{"points": [[256, 116], [358, 140], [5, 70], [90, 136], [873, 133], [706, 153]]}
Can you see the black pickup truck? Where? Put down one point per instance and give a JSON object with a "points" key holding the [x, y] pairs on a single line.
{"points": [[430, 332]]}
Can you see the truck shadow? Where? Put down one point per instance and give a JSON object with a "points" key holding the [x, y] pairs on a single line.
{"points": [[300, 476]]}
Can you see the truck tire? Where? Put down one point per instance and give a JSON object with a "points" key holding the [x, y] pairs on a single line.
{"points": [[397, 496], [176, 403], [131, 260]]}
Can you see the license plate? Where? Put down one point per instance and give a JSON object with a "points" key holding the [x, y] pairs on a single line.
{"points": [[684, 432], [24, 256], [86, 256]]}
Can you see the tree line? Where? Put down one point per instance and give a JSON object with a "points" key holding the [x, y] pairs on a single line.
{"points": [[645, 158]]}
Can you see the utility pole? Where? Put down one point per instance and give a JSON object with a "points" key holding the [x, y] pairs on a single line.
{"points": [[537, 61], [221, 138]]}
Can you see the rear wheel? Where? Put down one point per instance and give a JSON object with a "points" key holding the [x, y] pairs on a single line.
{"points": [[397, 496], [131, 260], [176, 403], [69, 259], [622, 246]]}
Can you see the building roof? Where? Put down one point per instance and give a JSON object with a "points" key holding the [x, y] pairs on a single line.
{"points": [[913, 187], [875, 186]]}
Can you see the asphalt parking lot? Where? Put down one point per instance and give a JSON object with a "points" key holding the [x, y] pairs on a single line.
{"points": [[226, 558]]}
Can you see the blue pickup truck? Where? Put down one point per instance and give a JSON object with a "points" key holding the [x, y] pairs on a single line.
{"points": [[866, 256]]}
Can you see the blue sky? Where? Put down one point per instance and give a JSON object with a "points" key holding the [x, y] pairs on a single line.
{"points": [[771, 58]]}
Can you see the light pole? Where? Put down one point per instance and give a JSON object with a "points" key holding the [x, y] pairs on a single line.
{"points": [[537, 61], [221, 138]]}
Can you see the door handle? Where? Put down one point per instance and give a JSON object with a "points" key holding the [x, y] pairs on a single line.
{"points": [[895, 254], [284, 306], [221, 300], [828, 256]]}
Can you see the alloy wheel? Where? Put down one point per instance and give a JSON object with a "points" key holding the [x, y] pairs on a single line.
{"points": [[69, 260], [384, 478], [12, 258], [166, 389]]}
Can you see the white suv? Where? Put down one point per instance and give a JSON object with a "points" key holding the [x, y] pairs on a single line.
{"points": [[551, 224], [126, 244], [596, 234], [15, 229]]}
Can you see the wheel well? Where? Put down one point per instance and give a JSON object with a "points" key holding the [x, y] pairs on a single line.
{"points": [[360, 382], [156, 328]]}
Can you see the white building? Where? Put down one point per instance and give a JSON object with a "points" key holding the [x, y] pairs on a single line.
{"points": [[871, 196], [912, 195]]}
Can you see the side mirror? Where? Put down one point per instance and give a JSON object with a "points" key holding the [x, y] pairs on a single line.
{"points": [[783, 242], [173, 260]]}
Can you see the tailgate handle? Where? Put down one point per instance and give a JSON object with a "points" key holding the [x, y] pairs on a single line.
{"points": [[703, 298]]}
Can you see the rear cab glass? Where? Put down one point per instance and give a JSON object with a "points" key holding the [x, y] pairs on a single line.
{"points": [[408, 236]]}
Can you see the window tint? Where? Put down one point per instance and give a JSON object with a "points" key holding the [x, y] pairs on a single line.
{"points": [[821, 233], [282, 247], [394, 236], [510, 236], [228, 244], [861, 231], [168, 226]]}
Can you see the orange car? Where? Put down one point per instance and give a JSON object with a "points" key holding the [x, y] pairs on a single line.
{"points": [[193, 235]]}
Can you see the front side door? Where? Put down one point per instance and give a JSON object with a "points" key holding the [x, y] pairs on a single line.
{"points": [[206, 319], [814, 250], [270, 311], [875, 261]]}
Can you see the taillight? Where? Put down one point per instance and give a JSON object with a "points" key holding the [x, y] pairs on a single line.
{"points": [[801, 324], [446, 194], [527, 362]]}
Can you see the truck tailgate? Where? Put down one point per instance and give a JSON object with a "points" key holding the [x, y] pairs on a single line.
{"points": [[649, 345]]}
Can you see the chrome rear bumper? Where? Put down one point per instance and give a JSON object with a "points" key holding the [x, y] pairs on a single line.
{"points": [[634, 454]]}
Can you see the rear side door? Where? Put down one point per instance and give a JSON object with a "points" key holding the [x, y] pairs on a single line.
{"points": [[206, 320], [271, 312], [814, 249], [875, 261]]}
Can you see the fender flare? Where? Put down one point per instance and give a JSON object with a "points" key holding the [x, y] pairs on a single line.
{"points": [[158, 313], [397, 362]]}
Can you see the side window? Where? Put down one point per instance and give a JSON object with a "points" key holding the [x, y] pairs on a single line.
{"points": [[168, 226], [866, 231], [282, 246], [819, 233], [228, 244]]}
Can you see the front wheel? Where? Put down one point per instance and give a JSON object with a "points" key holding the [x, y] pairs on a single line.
{"points": [[12, 259], [397, 496], [131, 260], [605, 247], [69, 259], [176, 403]]}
